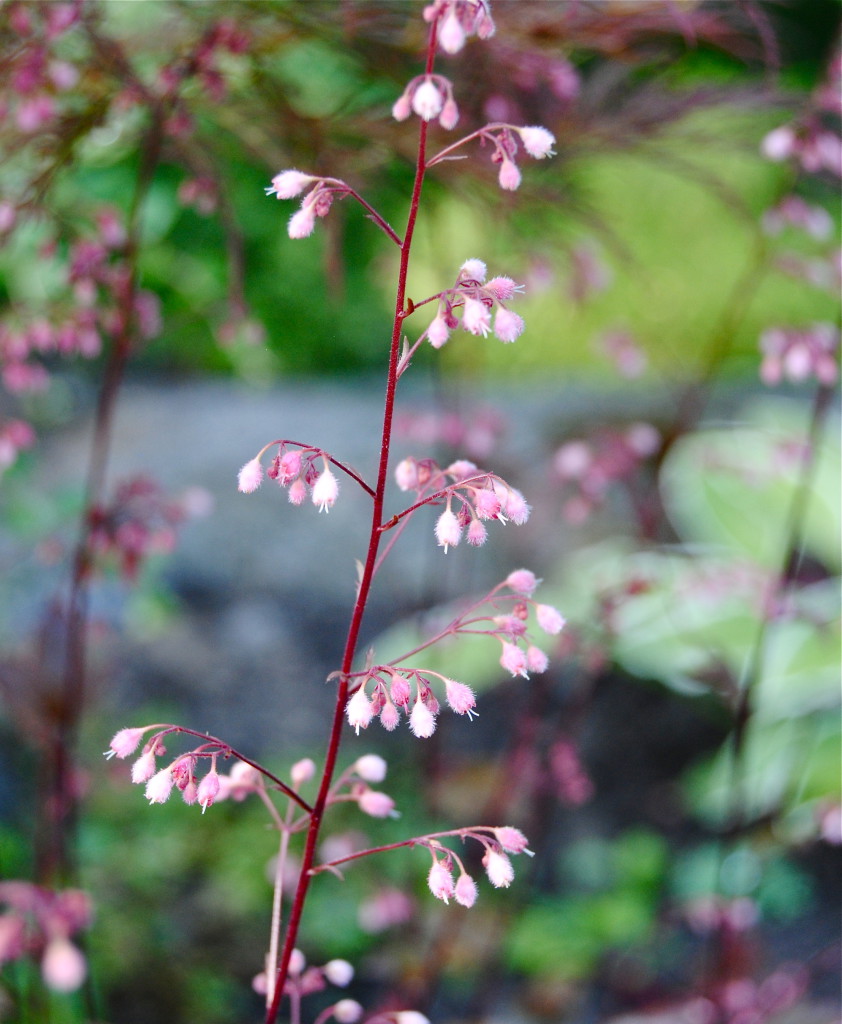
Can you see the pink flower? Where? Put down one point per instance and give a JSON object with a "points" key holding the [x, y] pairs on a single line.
{"points": [[451, 33], [508, 326], [536, 660], [549, 619], [358, 711], [406, 475], [515, 507], [511, 839], [301, 224], [476, 317], [159, 787], [513, 659], [509, 175], [422, 722], [297, 492], [477, 534], [289, 184], [466, 890], [440, 881], [289, 467], [208, 790], [487, 504], [370, 767], [63, 966], [302, 771], [437, 332], [779, 144], [338, 972], [402, 108], [499, 869], [325, 490], [460, 697], [537, 142], [522, 581], [250, 477], [449, 116], [347, 1011], [448, 530], [503, 288], [144, 767], [375, 804], [400, 690], [473, 270], [426, 100], [124, 743], [389, 716]]}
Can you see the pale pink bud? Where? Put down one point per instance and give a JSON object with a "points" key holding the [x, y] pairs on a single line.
{"points": [[466, 890], [358, 710], [325, 490], [190, 793], [370, 767], [499, 869], [289, 184], [537, 142], [389, 717], [437, 332], [208, 790], [63, 966], [297, 492], [301, 223], [451, 33], [487, 504], [406, 474], [549, 618], [422, 721], [503, 288], [448, 530], [536, 660], [477, 534], [124, 743], [440, 881], [484, 26], [508, 326], [144, 767], [159, 787], [400, 690], [449, 116], [513, 659], [289, 466], [302, 771], [522, 581], [460, 697], [297, 962], [375, 804], [402, 108], [426, 100], [473, 270], [511, 839], [476, 317], [515, 507], [347, 1011], [338, 972], [778, 144], [509, 175], [250, 477]]}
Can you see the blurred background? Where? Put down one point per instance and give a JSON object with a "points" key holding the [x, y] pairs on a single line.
{"points": [[670, 414]]}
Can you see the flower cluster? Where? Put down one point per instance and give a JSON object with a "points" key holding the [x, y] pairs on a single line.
{"points": [[796, 355], [140, 521], [297, 470], [477, 299], [39, 923], [475, 429], [498, 843], [431, 98], [458, 19], [317, 203], [303, 980], [395, 688], [479, 496], [356, 779], [593, 465]]}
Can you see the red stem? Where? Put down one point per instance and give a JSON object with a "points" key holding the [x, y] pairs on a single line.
{"points": [[367, 575]]}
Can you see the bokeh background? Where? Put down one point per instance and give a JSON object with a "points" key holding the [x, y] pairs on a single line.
{"points": [[669, 412]]}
